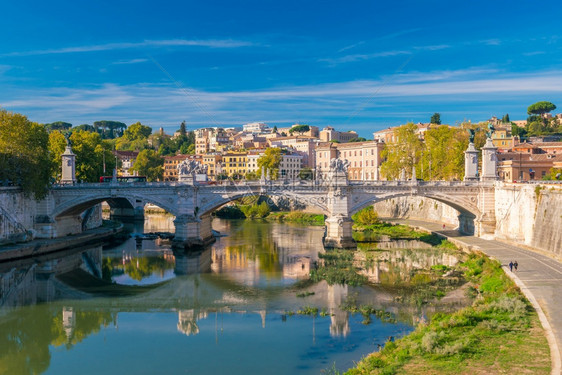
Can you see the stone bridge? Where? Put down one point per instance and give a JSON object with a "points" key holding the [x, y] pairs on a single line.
{"points": [[61, 213]]}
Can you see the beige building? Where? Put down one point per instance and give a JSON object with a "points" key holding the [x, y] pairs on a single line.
{"points": [[329, 134], [516, 166], [363, 157], [126, 159], [171, 166], [213, 163], [301, 145]]}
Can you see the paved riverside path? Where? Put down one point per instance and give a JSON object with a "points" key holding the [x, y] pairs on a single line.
{"points": [[539, 274]]}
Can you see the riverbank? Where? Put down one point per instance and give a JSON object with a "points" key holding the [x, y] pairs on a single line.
{"points": [[399, 359], [45, 246], [498, 333]]}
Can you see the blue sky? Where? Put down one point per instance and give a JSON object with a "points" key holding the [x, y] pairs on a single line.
{"points": [[362, 65]]}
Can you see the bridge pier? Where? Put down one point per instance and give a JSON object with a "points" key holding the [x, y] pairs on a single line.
{"points": [[193, 231], [339, 232]]}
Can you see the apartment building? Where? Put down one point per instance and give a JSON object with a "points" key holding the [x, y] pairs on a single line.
{"points": [[234, 163], [214, 164], [364, 158], [126, 159], [171, 166], [300, 145]]}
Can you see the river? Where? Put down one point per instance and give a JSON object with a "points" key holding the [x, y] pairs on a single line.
{"points": [[137, 307]]}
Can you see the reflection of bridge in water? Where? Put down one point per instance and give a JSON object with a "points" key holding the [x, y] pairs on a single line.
{"points": [[195, 293]]}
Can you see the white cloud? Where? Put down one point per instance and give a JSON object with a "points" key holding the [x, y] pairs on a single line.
{"points": [[210, 43], [466, 91]]}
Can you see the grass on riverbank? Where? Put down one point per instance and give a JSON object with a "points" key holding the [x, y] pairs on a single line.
{"points": [[374, 232], [296, 217], [498, 333]]}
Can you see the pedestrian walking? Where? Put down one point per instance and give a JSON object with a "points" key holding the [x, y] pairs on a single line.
{"points": [[511, 266], [443, 226], [515, 265]]}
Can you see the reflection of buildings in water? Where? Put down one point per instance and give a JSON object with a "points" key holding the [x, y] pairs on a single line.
{"points": [[68, 321], [159, 223], [263, 314], [339, 325], [297, 267], [187, 321], [396, 265], [188, 263], [290, 250]]}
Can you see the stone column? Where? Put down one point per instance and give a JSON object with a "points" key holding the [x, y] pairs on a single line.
{"points": [[471, 163], [68, 166], [192, 231], [489, 161], [338, 224], [339, 232]]}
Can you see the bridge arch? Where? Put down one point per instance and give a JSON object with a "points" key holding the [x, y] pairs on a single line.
{"points": [[78, 205], [468, 213], [220, 200]]}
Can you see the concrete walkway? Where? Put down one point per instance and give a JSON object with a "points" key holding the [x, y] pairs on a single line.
{"points": [[538, 276]]}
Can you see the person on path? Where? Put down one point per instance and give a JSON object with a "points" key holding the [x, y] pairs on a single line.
{"points": [[511, 266], [515, 265], [443, 226]]}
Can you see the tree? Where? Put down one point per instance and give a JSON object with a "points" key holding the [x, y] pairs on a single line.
{"points": [[366, 216], [540, 108], [274, 129], [436, 118], [59, 125], [84, 127], [443, 155], [299, 129], [57, 144], [110, 129], [505, 118], [306, 174], [135, 137], [270, 160], [402, 154], [517, 131], [24, 159], [182, 129], [136, 131], [91, 152], [358, 139], [149, 164]]}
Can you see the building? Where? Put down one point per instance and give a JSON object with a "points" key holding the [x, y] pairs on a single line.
{"points": [[388, 135], [234, 163], [363, 157], [502, 139], [525, 166], [171, 165], [329, 134], [289, 166], [126, 159], [255, 127], [301, 145], [214, 164]]}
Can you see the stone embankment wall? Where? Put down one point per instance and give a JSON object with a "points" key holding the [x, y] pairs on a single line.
{"points": [[530, 215], [16, 214], [420, 208]]}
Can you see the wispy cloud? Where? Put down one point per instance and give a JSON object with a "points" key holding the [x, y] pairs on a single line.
{"points": [[466, 91], [534, 53], [362, 57], [128, 62], [210, 43], [432, 48], [350, 47]]}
